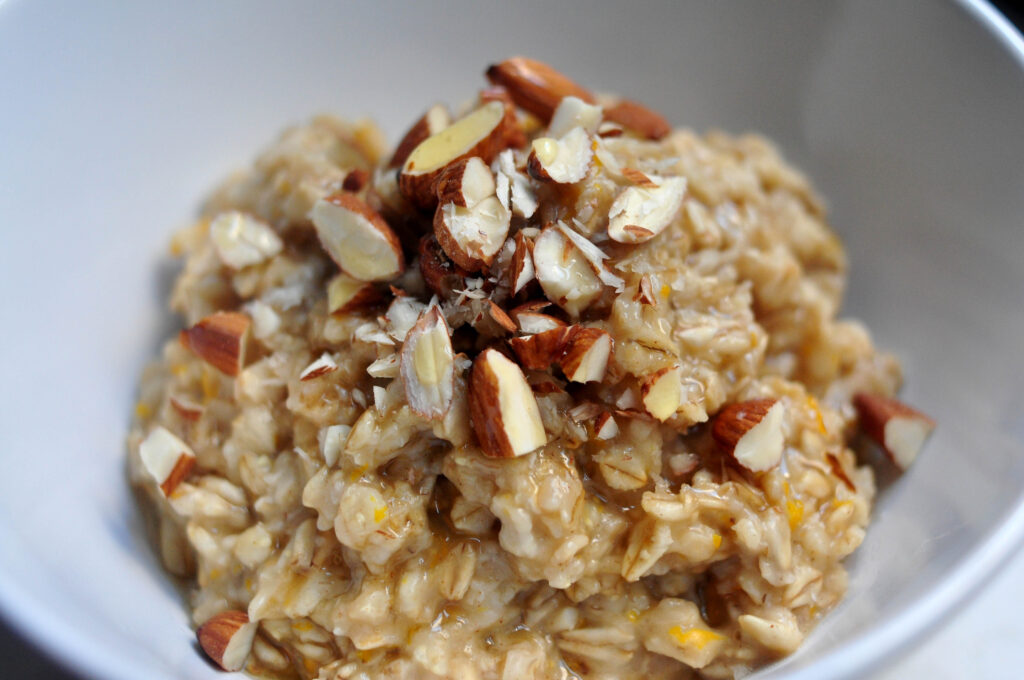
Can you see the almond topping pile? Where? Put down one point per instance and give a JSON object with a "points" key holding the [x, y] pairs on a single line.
{"points": [[547, 388]]}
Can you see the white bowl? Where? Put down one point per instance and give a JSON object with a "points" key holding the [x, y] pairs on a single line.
{"points": [[115, 119]]}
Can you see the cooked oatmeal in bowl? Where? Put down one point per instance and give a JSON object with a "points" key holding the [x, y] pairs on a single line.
{"points": [[551, 390]]}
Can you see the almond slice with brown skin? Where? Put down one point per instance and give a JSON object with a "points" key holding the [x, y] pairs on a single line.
{"points": [[564, 273], [661, 394], [186, 408], [640, 213], [838, 471], [645, 292], [166, 458], [346, 294], [586, 355], [227, 639], [531, 322], [605, 427], [470, 224], [428, 365], [357, 238], [751, 431], [573, 112], [429, 124], [543, 350], [441, 275], [535, 86], [220, 340], [899, 429], [502, 408], [356, 180], [561, 161], [638, 118], [242, 240], [320, 367], [521, 272], [501, 317], [638, 178], [484, 133]]}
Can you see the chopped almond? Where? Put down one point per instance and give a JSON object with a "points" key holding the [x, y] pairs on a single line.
{"points": [[470, 224], [541, 351], [356, 180], [573, 112], [242, 240], [503, 410], [900, 430], [662, 392], [357, 238], [562, 161], [186, 408], [531, 322], [837, 469], [220, 340], [638, 178], [645, 291], [564, 273], [346, 294], [535, 86], [751, 431], [166, 458], [428, 365], [322, 366], [227, 639], [640, 213], [605, 427], [429, 124], [586, 355], [501, 317], [441, 275], [521, 272], [639, 118]]}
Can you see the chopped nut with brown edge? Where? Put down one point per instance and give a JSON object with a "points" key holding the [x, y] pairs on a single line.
{"points": [[605, 427], [565, 275], [661, 393], [501, 317], [899, 429], [242, 240], [535, 86], [429, 124], [357, 238], [346, 294], [640, 213], [441, 275], [543, 350], [166, 458], [428, 365], [562, 161], [573, 112], [220, 340], [531, 322], [639, 119], [484, 133], [751, 431], [502, 408], [586, 355], [521, 272], [227, 639], [470, 223], [322, 366]]}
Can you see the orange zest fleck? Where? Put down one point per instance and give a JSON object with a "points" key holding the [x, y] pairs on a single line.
{"points": [[695, 638]]}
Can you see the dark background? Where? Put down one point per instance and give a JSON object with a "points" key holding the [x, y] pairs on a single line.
{"points": [[19, 659]]}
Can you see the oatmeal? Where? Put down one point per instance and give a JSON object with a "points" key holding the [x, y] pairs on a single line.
{"points": [[550, 391]]}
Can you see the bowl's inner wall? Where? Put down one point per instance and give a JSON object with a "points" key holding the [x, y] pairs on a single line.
{"points": [[116, 121]]}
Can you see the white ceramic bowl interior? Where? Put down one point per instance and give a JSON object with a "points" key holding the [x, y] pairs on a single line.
{"points": [[116, 118]]}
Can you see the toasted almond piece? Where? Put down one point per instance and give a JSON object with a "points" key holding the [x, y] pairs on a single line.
{"points": [[220, 340], [661, 393], [542, 350], [501, 317], [472, 237], [639, 119], [227, 639], [586, 355], [242, 240], [521, 272], [166, 458], [751, 431], [357, 238], [402, 314], [838, 471], [465, 183], [519, 194], [605, 427], [562, 161], [594, 255], [441, 275], [186, 408], [564, 273], [639, 214], [607, 130], [322, 366], [356, 180], [573, 112], [498, 93], [584, 411], [502, 408], [638, 178], [546, 387], [531, 322], [535, 86], [899, 429], [430, 123], [428, 365], [645, 291], [384, 367], [346, 294], [484, 133]]}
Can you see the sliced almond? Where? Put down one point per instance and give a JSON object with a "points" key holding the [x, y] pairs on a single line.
{"points": [[521, 272], [498, 93], [186, 408], [430, 123], [541, 351], [384, 367], [638, 178], [227, 639], [837, 469], [586, 355], [751, 431], [662, 393], [531, 322], [465, 183], [641, 213], [608, 130], [562, 161], [518, 195], [357, 238], [484, 133], [356, 180], [472, 237], [220, 340], [441, 275], [594, 255], [639, 119], [322, 366], [584, 411], [428, 366], [346, 294], [573, 112], [403, 313], [535, 86], [166, 458], [899, 429], [502, 408], [501, 317], [564, 273], [645, 292], [242, 240], [605, 427]]}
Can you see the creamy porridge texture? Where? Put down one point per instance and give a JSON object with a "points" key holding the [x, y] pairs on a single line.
{"points": [[552, 390]]}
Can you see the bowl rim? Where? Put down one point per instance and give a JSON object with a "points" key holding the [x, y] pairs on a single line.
{"points": [[67, 645]]}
